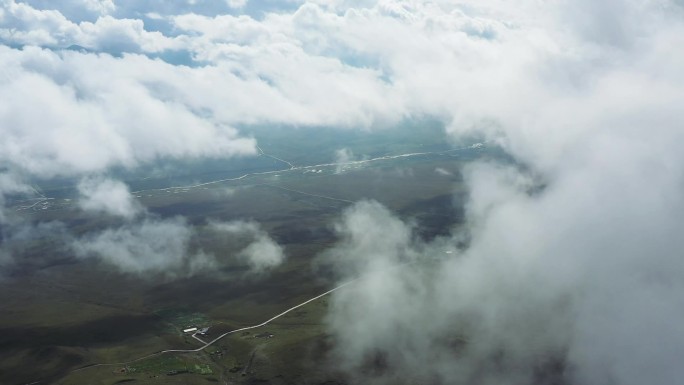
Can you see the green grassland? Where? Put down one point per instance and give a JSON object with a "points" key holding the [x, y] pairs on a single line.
{"points": [[276, 353]]}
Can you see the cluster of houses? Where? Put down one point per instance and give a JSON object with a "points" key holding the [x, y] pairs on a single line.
{"points": [[195, 330]]}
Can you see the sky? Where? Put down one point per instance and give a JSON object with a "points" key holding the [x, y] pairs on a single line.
{"points": [[585, 95]]}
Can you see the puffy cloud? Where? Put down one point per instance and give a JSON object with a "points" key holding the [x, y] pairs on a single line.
{"points": [[570, 271], [24, 25], [236, 3], [62, 118], [99, 6], [389, 309], [262, 253], [318, 66], [342, 156], [571, 255], [371, 239], [149, 246], [75, 9], [108, 196]]}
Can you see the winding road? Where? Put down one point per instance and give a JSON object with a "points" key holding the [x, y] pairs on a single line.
{"points": [[291, 168], [207, 344], [297, 168]]}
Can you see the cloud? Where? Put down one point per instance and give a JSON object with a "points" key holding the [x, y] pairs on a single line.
{"points": [[378, 247], [314, 66], [236, 3], [108, 196], [571, 266], [262, 253], [565, 279], [418, 313], [73, 9], [371, 239], [78, 122], [571, 272], [343, 155], [150, 246], [24, 25]]}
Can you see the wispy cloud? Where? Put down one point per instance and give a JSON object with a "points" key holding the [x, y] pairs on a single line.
{"points": [[145, 247], [261, 253]]}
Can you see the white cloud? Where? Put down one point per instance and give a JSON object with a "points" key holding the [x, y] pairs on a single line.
{"points": [[318, 66], [100, 6], [236, 3], [63, 118], [574, 258], [343, 155], [150, 246], [73, 9], [22, 24], [262, 253], [372, 239], [108, 196]]}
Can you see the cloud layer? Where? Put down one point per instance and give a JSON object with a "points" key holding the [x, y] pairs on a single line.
{"points": [[543, 294], [573, 264]]}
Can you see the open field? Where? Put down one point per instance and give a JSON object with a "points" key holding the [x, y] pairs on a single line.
{"points": [[62, 313], [275, 353]]}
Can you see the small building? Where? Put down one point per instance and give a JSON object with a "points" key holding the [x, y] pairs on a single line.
{"points": [[189, 330]]}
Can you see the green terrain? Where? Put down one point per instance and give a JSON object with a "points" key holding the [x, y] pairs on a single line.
{"points": [[83, 322]]}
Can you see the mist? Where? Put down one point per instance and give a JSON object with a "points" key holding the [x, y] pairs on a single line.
{"points": [[572, 284], [573, 270], [146, 247], [261, 253]]}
